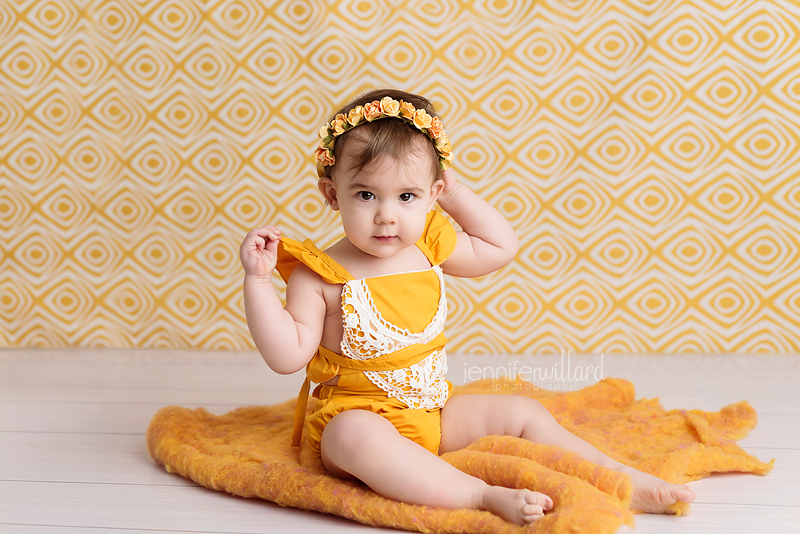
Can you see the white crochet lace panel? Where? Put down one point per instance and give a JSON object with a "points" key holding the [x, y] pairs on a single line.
{"points": [[368, 335], [421, 385]]}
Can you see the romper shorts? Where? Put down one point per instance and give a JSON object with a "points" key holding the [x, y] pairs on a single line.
{"points": [[354, 391]]}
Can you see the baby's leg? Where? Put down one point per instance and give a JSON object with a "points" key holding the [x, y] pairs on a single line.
{"points": [[467, 418], [368, 447]]}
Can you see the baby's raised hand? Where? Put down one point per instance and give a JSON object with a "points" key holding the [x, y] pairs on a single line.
{"points": [[259, 251], [450, 184]]}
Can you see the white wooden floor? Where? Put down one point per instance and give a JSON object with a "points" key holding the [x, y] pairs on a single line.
{"points": [[73, 457]]}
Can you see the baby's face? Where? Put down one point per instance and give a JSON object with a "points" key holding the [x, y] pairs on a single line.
{"points": [[384, 205]]}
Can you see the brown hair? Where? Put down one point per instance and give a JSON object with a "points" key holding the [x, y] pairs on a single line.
{"points": [[390, 136]]}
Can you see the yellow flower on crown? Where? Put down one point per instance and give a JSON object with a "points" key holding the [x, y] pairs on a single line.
{"points": [[356, 115], [338, 126], [421, 119], [386, 107], [390, 106], [406, 110]]}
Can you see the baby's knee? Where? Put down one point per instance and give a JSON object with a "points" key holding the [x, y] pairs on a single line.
{"points": [[352, 431]]}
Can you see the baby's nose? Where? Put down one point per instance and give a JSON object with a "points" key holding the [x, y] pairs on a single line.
{"points": [[385, 215]]}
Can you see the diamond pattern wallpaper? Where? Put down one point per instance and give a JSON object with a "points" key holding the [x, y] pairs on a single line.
{"points": [[645, 151]]}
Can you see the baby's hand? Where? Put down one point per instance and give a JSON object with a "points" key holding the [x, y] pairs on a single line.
{"points": [[450, 185], [259, 251]]}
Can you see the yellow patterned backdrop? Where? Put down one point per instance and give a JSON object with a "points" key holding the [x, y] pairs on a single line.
{"points": [[645, 151]]}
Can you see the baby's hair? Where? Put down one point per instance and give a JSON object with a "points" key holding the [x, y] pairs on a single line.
{"points": [[391, 137]]}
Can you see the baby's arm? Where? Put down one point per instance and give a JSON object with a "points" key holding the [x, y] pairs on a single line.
{"points": [[286, 338], [487, 242]]}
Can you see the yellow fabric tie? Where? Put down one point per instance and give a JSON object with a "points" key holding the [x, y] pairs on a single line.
{"points": [[338, 364]]}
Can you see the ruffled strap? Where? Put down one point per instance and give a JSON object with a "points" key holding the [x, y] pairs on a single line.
{"points": [[291, 253], [438, 239]]}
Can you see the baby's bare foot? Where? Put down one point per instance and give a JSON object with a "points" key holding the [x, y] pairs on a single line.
{"points": [[519, 506], [653, 495]]}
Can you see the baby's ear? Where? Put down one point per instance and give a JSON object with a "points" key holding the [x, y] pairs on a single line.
{"points": [[436, 189], [328, 191]]}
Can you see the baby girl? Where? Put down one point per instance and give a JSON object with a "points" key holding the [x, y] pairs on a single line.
{"points": [[365, 318]]}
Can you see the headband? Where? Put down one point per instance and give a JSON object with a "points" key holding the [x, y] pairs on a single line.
{"points": [[381, 109]]}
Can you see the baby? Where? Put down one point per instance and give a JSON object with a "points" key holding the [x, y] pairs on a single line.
{"points": [[365, 318]]}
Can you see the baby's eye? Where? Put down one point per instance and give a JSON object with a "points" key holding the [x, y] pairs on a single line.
{"points": [[365, 195], [406, 197]]}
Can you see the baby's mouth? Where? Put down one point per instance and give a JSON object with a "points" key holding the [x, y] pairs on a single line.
{"points": [[385, 238]]}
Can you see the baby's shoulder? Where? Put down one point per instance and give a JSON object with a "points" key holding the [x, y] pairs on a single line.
{"points": [[306, 283], [303, 275]]}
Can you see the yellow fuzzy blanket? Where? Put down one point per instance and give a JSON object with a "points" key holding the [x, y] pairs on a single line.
{"points": [[247, 453]]}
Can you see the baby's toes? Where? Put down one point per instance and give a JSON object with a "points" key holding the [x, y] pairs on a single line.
{"points": [[668, 494], [684, 494], [660, 498], [532, 511], [535, 505], [662, 495], [534, 497]]}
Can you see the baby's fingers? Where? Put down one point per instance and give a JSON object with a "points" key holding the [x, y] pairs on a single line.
{"points": [[259, 237], [259, 250], [270, 233], [271, 246]]}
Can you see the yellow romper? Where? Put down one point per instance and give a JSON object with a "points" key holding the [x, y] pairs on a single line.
{"points": [[392, 359]]}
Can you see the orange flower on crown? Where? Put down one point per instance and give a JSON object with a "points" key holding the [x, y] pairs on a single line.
{"points": [[436, 129], [372, 110], [324, 157]]}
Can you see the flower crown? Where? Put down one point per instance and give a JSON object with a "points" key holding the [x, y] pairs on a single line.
{"points": [[380, 109]]}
